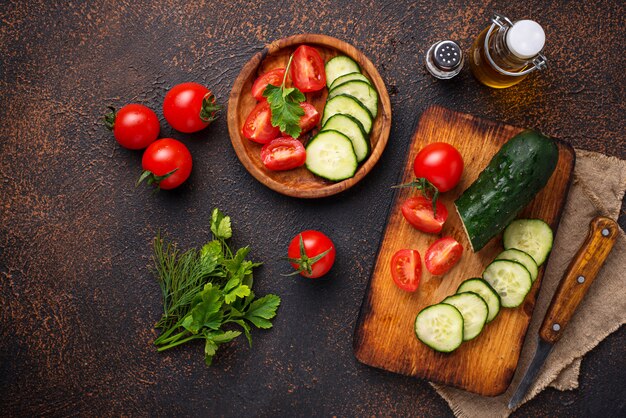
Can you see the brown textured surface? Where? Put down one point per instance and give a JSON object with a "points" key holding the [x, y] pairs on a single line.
{"points": [[76, 301], [384, 335]]}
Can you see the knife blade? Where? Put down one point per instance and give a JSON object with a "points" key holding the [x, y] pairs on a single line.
{"points": [[576, 280]]}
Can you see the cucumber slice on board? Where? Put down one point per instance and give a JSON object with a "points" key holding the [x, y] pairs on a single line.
{"points": [[533, 236], [510, 279], [485, 291], [523, 258], [440, 327], [360, 90], [338, 66], [330, 155], [349, 77], [353, 129], [474, 311], [347, 105]]}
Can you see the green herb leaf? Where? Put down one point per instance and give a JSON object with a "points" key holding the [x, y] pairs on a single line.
{"points": [[240, 291], [262, 310], [286, 109], [220, 225]]}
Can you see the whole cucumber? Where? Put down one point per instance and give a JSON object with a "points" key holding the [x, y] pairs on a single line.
{"points": [[514, 176]]}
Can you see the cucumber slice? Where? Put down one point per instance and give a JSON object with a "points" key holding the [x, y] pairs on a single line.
{"points": [[339, 66], [533, 236], [485, 291], [349, 77], [440, 327], [348, 105], [523, 258], [360, 90], [510, 279], [474, 311], [353, 129], [330, 155]]}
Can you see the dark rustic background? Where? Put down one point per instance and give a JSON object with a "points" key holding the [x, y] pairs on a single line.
{"points": [[77, 302]]}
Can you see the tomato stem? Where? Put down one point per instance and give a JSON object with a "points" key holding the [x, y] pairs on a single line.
{"points": [[209, 108], [305, 263], [152, 178], [109, 118], [428, 190]]}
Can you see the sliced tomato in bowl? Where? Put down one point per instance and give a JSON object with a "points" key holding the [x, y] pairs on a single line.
{"points": [[273, 77], [442, 255], [310, 119], [283, 154], [406, 269], [258, 125], [307, 69], [419, 212]]}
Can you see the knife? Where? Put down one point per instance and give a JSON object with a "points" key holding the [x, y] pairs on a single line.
{"points": [[572, 288]]}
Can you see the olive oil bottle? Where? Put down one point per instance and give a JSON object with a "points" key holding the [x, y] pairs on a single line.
{"points": [[506, 53]]}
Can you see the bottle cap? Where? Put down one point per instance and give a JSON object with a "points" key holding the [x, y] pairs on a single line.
{"points": [[525, 38]]}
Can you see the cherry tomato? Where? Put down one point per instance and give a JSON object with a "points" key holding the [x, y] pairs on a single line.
{"points": [[283, 154], [441, 164], [406, 269], [307, 69], [274, 77], [312, 254], [134, 126], [310, 119], [419, 212], [189, 107], [258, 126], [442, 255], [166, 163]]}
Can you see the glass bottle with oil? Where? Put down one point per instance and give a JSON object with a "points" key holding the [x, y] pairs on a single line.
{"points": [[506, 52]]}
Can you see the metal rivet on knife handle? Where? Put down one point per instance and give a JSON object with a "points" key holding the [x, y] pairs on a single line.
{"points": [[605, 232], [581, 279], [556, 327]]}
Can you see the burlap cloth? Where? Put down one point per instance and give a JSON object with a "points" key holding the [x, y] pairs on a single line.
{"points": [[597, 189]]}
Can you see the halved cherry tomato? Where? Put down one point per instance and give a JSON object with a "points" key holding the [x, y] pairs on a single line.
{"points": [[307, 69], [283, 154], [312, 254], [419, 212], [441, 164], [258, 126], [273, 77], [442, 255], [310, 119], [406, 269]]}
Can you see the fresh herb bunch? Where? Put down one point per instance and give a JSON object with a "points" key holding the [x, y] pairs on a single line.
{"points": [[285, 105], [208, 293]]}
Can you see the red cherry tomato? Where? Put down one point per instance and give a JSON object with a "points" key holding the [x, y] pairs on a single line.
{"points": [[406, 269], [166, 163], [419, 212], [258, 126], [304, 251], [283, 154], [442, 255], [310, 119], [441, 164], [134, 126], [189, 107], [274, 77], [307, 69]]}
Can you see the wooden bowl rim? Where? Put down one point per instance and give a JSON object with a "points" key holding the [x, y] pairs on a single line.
{"points": [[236, 137]]}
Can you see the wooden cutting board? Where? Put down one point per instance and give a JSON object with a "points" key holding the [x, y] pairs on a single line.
{"points": [[384, 335]]}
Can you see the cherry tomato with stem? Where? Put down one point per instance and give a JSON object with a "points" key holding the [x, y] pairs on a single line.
{"points": [[134, 126], [442, 255], [258, 125], [311, 253], [283, 154], [307, 69], [190, 107], [166, 164], [274, 77], [406, 269], [419, 212], [441, 164]]}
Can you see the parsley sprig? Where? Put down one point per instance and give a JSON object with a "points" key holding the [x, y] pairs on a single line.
{"points": [[285, 105], [207, 293]]}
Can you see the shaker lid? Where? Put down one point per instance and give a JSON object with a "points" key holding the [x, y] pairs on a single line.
{"points": [[525, 38]]}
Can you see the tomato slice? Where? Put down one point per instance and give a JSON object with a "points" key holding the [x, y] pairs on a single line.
{"points": [[258, 126], [310, 119], [273, 77], [283, 154], [307, 69], [442, 255], [406, 269], [419, 212]]}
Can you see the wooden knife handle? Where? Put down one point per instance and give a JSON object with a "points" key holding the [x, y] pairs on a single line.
{"points": [[578, 277]]}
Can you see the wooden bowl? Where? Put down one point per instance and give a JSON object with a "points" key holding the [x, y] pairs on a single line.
{"points": [[301, 182]]}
